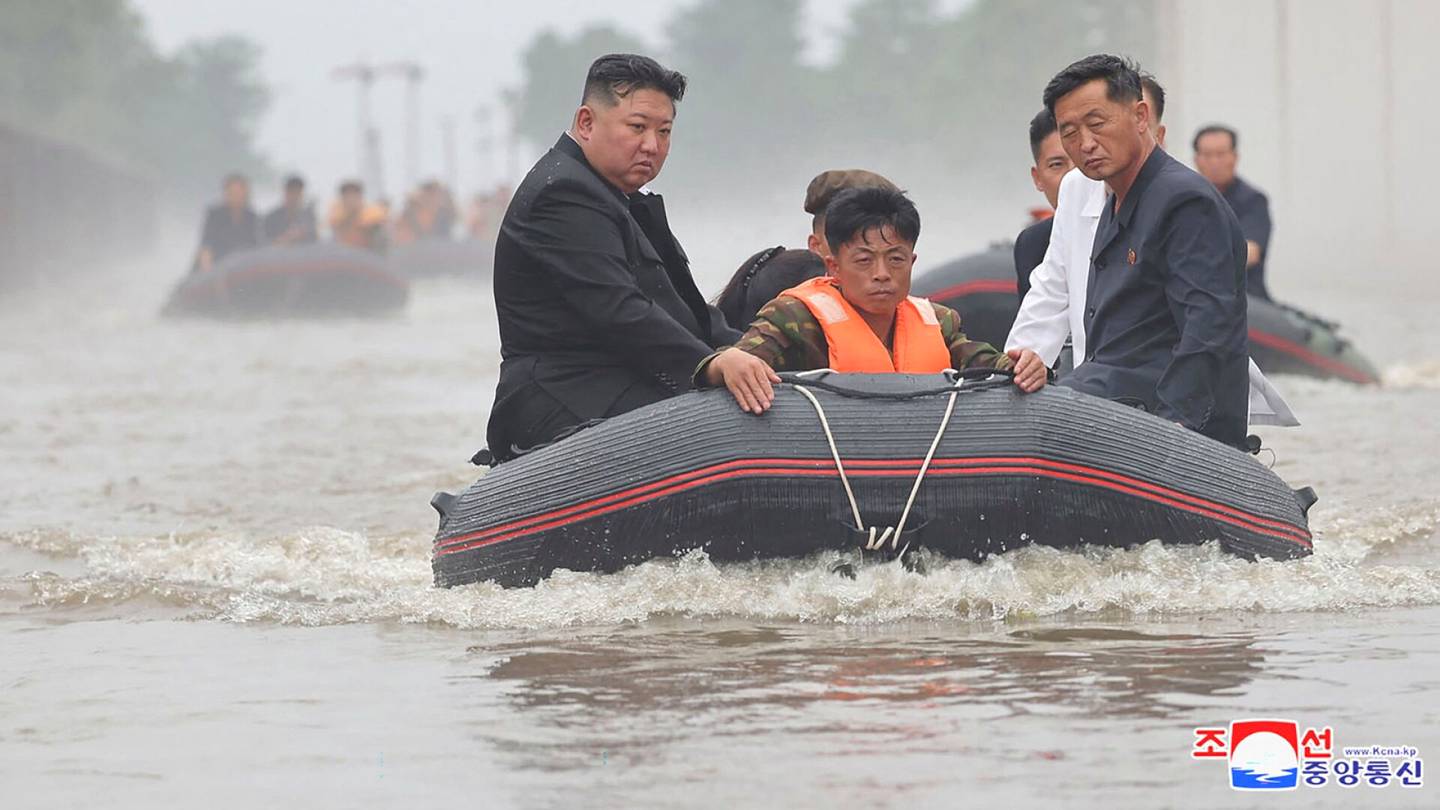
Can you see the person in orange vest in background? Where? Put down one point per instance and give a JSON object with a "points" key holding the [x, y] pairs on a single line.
{"points": [[356, 223], [859, 317], [429, 213]]}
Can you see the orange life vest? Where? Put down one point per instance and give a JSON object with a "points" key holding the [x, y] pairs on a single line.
{"points": [[919, 345]]}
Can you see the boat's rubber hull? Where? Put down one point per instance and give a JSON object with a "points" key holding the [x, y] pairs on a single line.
{"points": [[1055, 468], [316, 280], [1283, 340]]}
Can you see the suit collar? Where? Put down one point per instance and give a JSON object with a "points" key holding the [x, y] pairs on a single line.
{"points": [[569, 146], [1112, 222], [1152, 167]]}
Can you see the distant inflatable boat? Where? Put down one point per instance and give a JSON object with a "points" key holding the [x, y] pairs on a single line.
{"points": [[1283, 340], [314, 280], [962, 467], [442, 257]]}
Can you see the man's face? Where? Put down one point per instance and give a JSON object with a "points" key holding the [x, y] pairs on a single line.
{"points": [[237, 194], [352, 200], [1215, 158], [873, 270], [294, 196], [1102, 137], [1050, 167], [627, 143]]}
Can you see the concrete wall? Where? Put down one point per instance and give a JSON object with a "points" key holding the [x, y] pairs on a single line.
{"points": [[63, 210], [1335, 104]]}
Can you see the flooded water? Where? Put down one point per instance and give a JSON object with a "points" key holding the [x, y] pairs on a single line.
{"points": [[215, 588]]}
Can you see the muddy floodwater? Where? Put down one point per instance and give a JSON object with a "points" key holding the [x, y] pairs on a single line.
{"points": [[215, 592]]}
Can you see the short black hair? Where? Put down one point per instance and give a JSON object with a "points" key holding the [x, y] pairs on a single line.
{"points": [[352, 185], [1210, 129], [294, 181], [616, 75], [1151, 85], [1122, 79], [856, 211], [1041, 126]]}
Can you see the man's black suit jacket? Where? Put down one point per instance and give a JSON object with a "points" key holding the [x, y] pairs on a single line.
{"points": [[598, 311], [1030, 247]]}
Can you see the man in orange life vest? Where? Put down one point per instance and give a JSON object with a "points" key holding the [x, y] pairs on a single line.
{"points": [[860, 316]]}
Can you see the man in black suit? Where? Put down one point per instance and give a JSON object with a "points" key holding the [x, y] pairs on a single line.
{"points": [[1165, 316], [1051, 165], [598, 312]]}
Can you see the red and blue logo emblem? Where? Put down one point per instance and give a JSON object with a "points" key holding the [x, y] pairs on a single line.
{"points": [[1264, 755]]}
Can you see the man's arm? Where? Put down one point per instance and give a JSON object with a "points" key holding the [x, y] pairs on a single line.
{"points": [[1206, 293], [1255, 224], [580, 247], [964, 352], [783, 336], [1030, 372], [1043, 322]]}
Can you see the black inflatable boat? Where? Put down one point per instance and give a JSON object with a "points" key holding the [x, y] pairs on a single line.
{"points": [[1283, 340], [287, 281], [1002, 470]]}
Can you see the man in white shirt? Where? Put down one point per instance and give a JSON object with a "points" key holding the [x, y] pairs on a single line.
{"points": [[1054, 309]]}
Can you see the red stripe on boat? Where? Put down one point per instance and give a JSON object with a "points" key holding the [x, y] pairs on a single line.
{"points": [[979, 286], [1330, 364], [873, 468]]}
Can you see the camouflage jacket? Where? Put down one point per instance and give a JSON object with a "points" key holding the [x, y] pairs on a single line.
{"points": [[788, 338]]}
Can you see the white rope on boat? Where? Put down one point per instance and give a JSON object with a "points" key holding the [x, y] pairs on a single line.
{"points": [[877, 537]]}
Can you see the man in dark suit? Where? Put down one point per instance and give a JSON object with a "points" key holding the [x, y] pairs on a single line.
{"points": [[1165, 316], [1051, 165], [598, 312], [230, 227], [1215, 158]]}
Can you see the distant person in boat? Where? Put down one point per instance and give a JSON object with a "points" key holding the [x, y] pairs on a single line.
{"points": [[598, 312], [229, 227], [355, 222], [860, 316], [1215, 157], [1051, 165], [429, 213], [292, 222], [1165, 315], [771, 271]]}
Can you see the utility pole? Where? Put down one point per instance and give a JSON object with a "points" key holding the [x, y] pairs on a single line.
{"points": [[485, 144], [363, 74], [447, 135], [413, 74]]}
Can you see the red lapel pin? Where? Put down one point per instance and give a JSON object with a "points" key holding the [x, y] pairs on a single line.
{"points": [[1131, 256]]}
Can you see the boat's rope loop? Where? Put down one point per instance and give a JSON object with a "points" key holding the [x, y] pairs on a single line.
{"points": [[876, 535], [977, 379]]}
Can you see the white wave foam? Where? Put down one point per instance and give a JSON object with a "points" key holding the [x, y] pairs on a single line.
{"points": [[327, 576], [1423, 375]]}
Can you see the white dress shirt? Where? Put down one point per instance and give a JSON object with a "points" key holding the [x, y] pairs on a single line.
{"points": [[1055, 306]]}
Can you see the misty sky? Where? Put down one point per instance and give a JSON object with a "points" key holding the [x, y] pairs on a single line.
{"points": [[470, 49]]}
